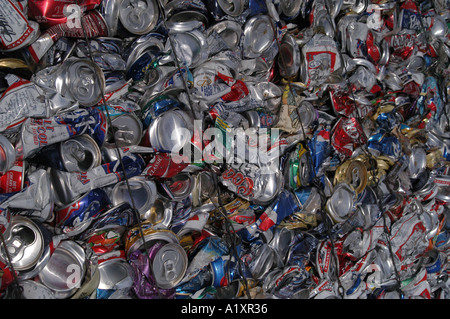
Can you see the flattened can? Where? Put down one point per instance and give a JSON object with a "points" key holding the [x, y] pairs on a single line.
{"points": [[17, 31], [78, 154], [68, 255], [78, 215]]}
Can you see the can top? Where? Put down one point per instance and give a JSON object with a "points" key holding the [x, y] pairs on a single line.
{"points": [[139, 17], [25, 243], [80, 153], [126, 130], [169, 265], [258, 36]]}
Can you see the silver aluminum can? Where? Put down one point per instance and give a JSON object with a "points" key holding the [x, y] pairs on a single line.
{"points": [[170, 265], [81, 80], [80, 154], [170, 124], [232, 8], [25, 243], [289, 57], [69, 255], [341, 203], [139, 17], [144, 194], [258, 36], [125, 130], [59, 185], [109, 9]]}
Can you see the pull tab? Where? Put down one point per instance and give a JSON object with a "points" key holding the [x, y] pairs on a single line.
{"points": [[76, 150], [169, 260]]}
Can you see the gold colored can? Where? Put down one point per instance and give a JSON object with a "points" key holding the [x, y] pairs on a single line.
{"points": [[354, 173]]}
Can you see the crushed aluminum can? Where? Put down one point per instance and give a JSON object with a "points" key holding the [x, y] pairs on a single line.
{"points": [[115, 274], [139, 18], [144, 196], [78, 154], [95, 26], [18, 31], [51, 13], [37, 133], [67, 186], [68, 255], [258, 36], [25, 243], [76, 217], [125, 130]]}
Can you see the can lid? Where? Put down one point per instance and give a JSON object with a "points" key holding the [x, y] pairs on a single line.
{"points": [[258, 36], [290, 8], [25, 243], [83, 80], [232, 8], [178, 187], [340, 204], [80, 153], [168, 130], [126, 130], [139, 17], [195, 40], [229, 31], [169, 265]]}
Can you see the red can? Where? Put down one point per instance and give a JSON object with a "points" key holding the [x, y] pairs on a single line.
{"points": [[161, 165], [347, 136], [52, 12], [12, 180]]}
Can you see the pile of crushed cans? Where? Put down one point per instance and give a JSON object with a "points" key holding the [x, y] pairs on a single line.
{"points": [[224, 149]]}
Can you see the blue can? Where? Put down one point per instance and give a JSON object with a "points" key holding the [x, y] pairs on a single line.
{"points": [[83, 210], [157, 106], [223, 271]]}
